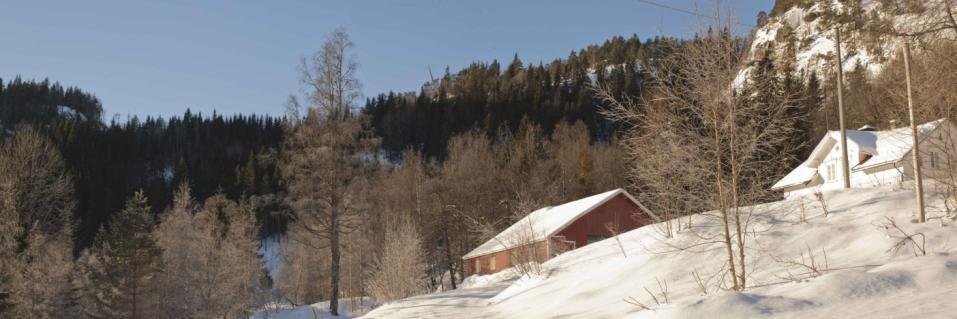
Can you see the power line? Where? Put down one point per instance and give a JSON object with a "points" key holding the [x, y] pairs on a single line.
{"points": [[685, 11]]}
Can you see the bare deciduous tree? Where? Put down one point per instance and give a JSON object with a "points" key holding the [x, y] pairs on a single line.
{"points": [[36, 207], [210, 258], [330, 75], [731, 129], [400, 269], [328, 156]]}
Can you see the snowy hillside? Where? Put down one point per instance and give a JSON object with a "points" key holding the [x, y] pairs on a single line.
{"points": [[860, 274], [810, 33], [814, 42]]}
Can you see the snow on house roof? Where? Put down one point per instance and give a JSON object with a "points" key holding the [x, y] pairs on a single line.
{"points": [[884, 147], [545, 222], [894, 145], [800, 175], [865, 140]]}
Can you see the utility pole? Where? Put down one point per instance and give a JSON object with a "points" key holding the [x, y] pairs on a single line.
{"points": [[915, 151], [845, 169]]}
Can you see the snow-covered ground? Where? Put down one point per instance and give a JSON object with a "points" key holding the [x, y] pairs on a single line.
{"points": [[862, 279], [348, 308]]}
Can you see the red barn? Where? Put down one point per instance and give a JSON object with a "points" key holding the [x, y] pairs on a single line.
{"points": [[550, 231]]}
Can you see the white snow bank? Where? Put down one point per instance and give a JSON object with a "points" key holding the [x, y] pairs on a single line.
{"points": [[478, 281], [863, 280]]}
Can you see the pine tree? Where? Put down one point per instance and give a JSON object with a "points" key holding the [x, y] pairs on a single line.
{"points": [[121, 269]]}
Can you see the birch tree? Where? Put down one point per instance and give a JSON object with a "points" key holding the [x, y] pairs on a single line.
{"points": [[328, 156]]}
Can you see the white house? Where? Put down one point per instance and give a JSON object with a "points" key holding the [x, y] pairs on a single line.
{"points": [[875, 158]]}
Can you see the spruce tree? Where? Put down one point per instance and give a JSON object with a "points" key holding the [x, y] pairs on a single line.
{"points": [[122, 266]]}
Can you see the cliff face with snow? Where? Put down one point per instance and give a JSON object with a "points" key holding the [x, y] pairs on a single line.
{"points": [[872, 33]]}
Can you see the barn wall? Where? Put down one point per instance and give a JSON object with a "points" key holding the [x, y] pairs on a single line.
{"points": [[503, 259], [619, 210]]}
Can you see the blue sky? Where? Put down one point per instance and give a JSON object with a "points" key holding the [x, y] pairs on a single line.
{"points": [[162, 57]]}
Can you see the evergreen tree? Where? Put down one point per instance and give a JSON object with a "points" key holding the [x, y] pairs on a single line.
{"points": [[121, 268]]}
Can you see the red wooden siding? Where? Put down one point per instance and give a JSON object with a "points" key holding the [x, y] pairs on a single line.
{"points": [[503, 259], [619, 210]]}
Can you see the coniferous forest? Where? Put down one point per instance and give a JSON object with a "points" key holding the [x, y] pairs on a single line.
{"points": [[234, 155]]}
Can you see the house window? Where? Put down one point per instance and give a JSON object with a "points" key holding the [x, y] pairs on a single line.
{"points": [[830, 172], [933, 160], [478, 265], [491, 264]]}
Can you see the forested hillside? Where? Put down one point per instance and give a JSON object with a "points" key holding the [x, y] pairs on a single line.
{"points": [[109, 161], [491, 96]]}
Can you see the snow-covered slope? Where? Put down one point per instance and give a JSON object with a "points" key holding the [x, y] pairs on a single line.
{"points": [[810, 30], [813, 39], [863, 278]]}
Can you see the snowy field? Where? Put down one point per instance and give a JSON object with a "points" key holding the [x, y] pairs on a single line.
{"points": [[860, 276]]}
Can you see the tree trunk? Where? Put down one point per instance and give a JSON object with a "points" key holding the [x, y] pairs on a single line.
{"points": [[448, 256], [722, 205], [334, 271], [735, 200]]}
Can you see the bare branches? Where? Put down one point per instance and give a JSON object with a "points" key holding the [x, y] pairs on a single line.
{"points": [[820, 199], [613, 229], [662, 292], [809, 265], [701, 283], [399, 271], [709, 137], [330, 76], [904, 238], [36, 208]]}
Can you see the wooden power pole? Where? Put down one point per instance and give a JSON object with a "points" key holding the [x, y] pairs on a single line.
{"points": [[915, 150], [845, 169]]}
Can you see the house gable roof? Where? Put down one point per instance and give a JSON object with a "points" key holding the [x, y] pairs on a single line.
{"points": [[546, 222]]}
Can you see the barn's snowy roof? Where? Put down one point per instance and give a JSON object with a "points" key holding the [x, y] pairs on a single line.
{"points": [[545, 222], [884, 147]]}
